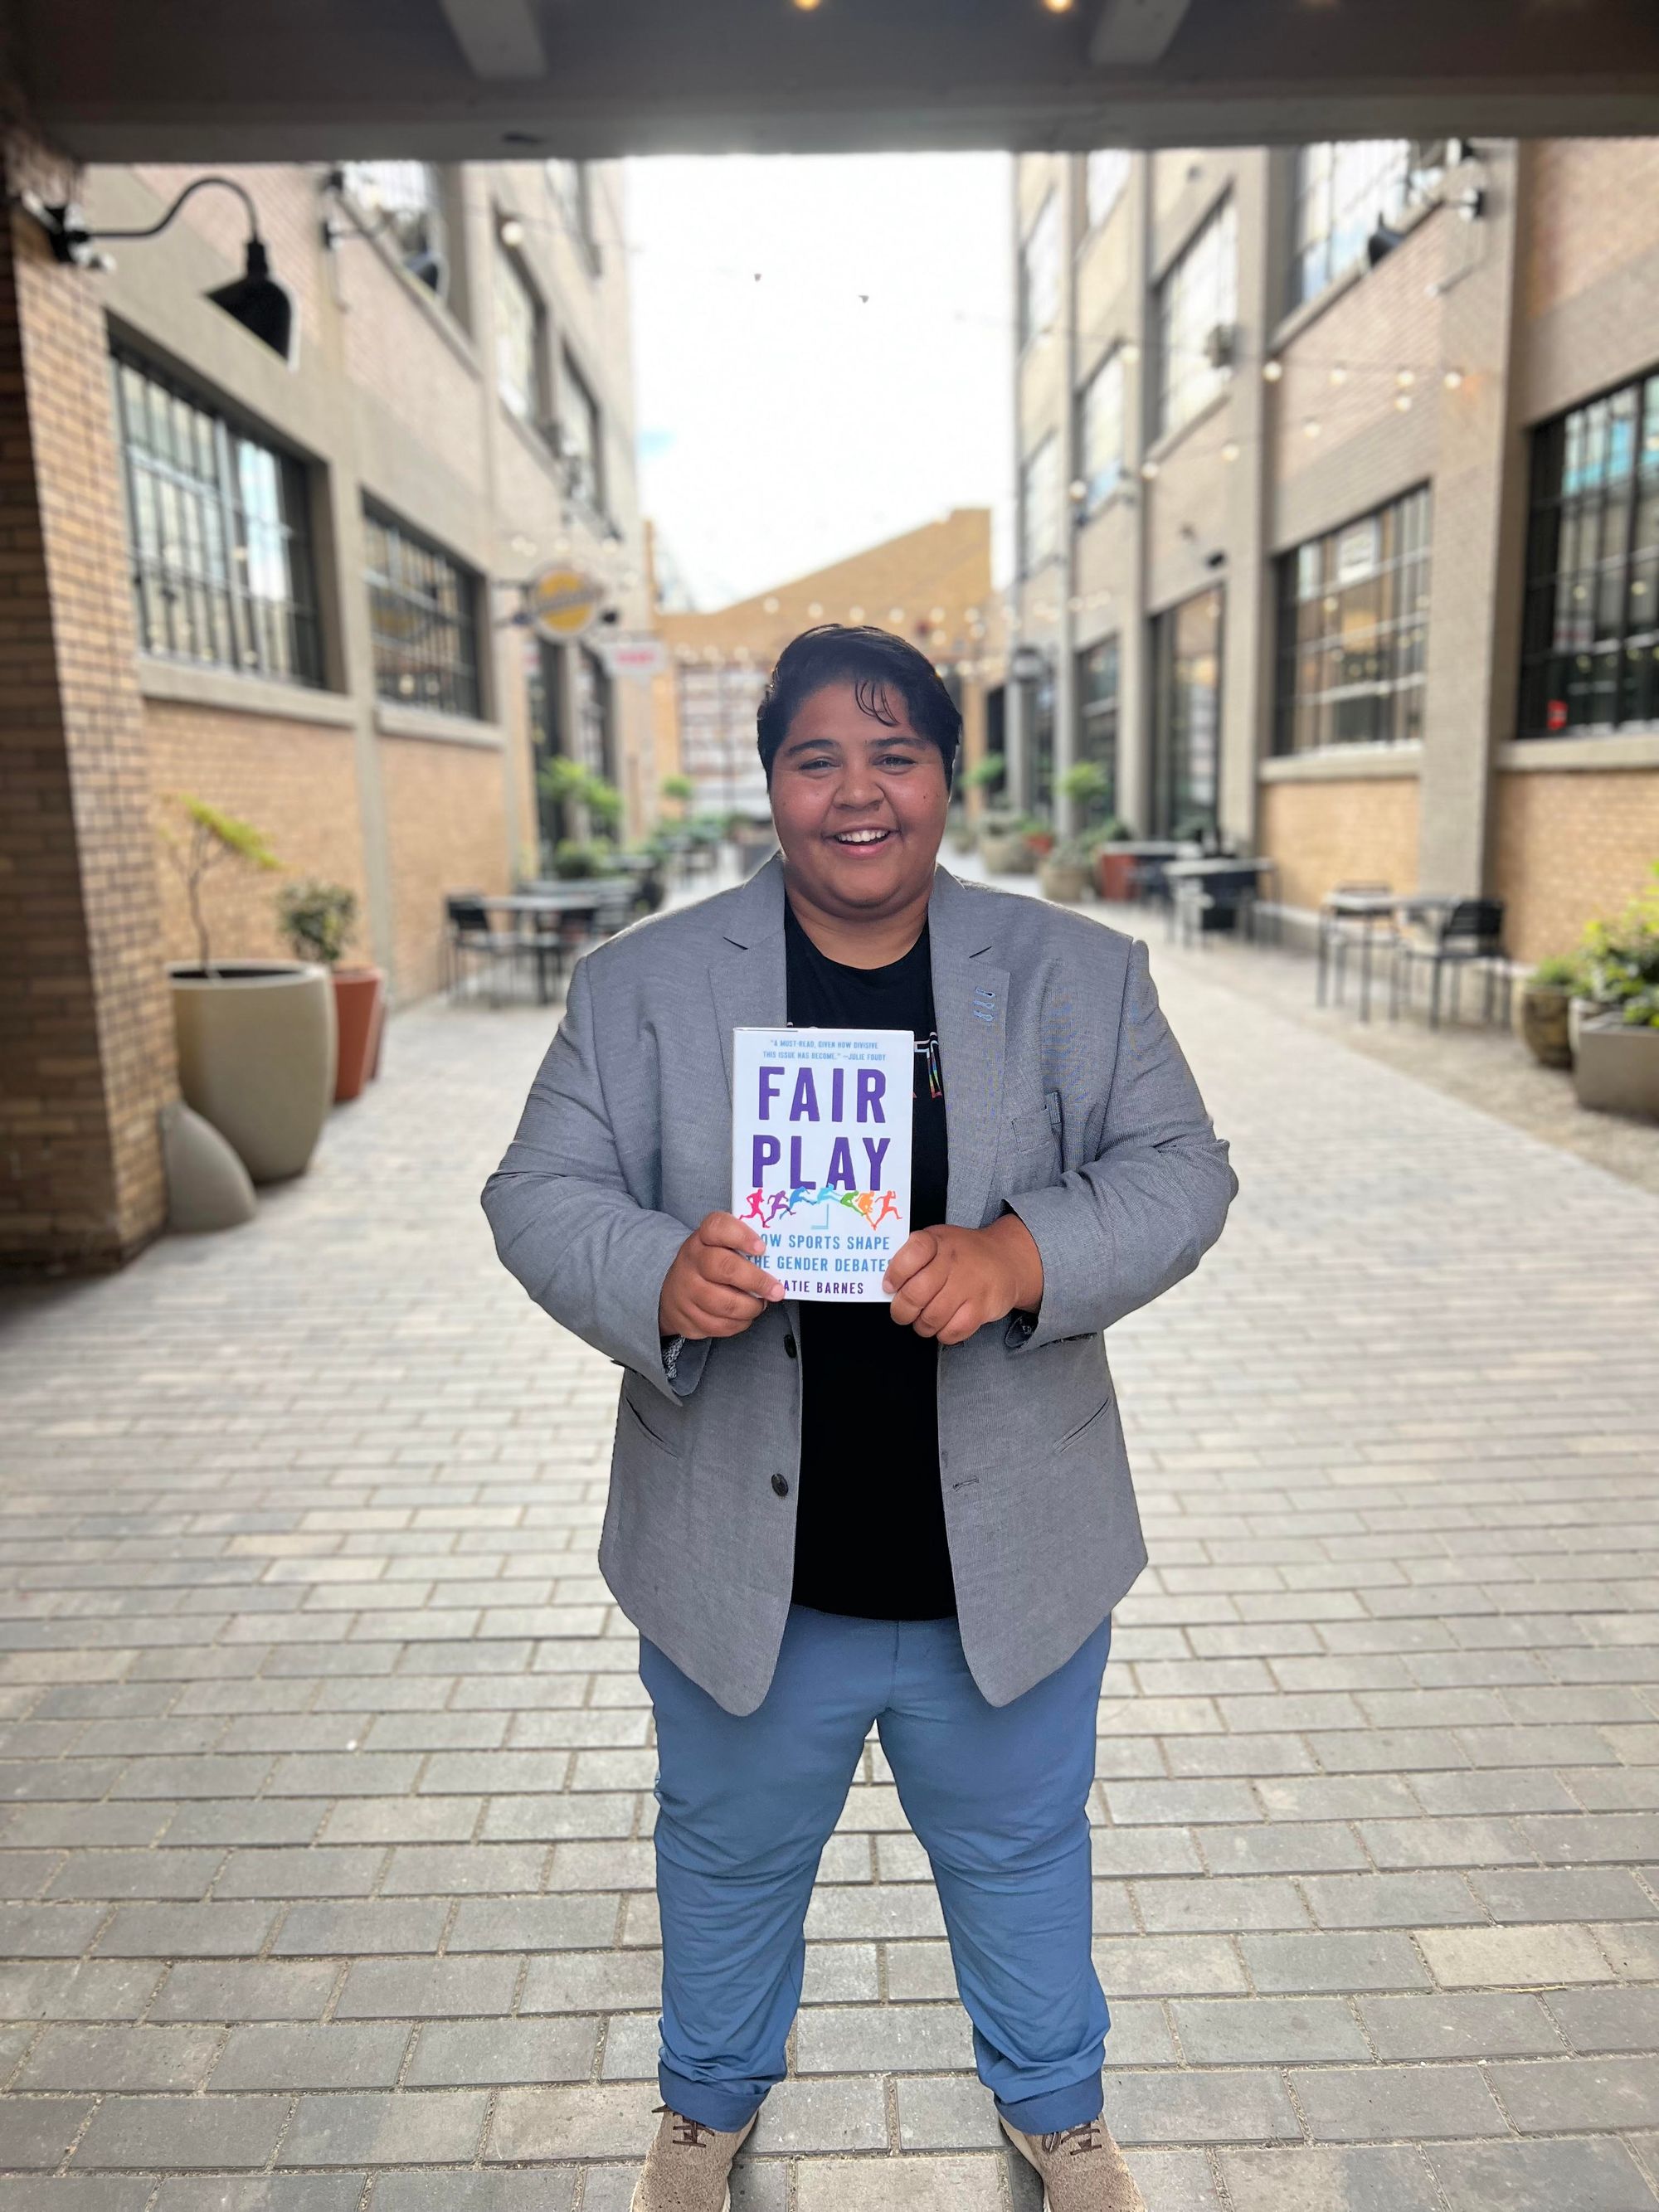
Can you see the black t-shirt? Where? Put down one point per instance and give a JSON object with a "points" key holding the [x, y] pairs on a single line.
{"points": [[870, 1527]]}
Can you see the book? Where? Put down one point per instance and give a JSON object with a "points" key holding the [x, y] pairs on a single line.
{"points": [[821, 1153]]}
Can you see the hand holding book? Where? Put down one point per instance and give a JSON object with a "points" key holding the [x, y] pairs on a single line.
{"points": [[713, 1287], [948, 1282]]}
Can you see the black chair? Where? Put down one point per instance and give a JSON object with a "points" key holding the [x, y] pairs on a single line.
{"points": [[469, 938], [1469, 934], [1213, 904]]}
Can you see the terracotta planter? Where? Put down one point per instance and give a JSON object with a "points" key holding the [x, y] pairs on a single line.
{"points": [[1039, 845], [256, 1057], [359, 1010], [1544, 1024], [1615, 1069], [1063, 881], [1115, 875]]}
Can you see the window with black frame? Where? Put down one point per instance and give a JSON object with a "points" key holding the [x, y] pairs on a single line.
{"points": [[423, 620], [219, 531], [578, 433], [1344, 189], [1096, 697], [1354, 622], [1187, 716], [1039, 508], [1100, 431], [1105, 174], [1590, 646]]}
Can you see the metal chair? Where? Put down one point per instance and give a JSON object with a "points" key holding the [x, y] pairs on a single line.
{"points": [[1339, 934], [1469, 934], [468, 936], [1214, 904]]}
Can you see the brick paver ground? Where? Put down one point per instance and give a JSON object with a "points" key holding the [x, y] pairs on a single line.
{"points": [[326, 1775]]}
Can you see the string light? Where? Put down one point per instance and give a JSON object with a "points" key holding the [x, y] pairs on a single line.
{"points": [[815, 612], [511, 233], [1230, 450], [856, 614], [1312, 426], [1149, 470], [1129, 350], [1453, 378], [770, 604], [1272, 371], [1339, 373], [1403, 401], [1405, 377]]}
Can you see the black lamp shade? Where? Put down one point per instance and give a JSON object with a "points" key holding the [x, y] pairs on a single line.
{"points": [[262, 305]]}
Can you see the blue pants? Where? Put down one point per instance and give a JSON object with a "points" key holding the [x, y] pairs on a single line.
{"points": [[998, 1795]]}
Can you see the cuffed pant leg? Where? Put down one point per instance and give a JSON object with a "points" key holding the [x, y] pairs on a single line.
{"points": [[999, 1797], [745, 1805]]}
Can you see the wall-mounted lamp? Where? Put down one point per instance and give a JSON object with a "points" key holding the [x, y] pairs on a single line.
{"points": [[258, 300], [1381, 242]]}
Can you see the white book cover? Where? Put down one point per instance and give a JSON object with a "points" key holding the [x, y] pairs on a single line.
{"points": [[821, 1153]]}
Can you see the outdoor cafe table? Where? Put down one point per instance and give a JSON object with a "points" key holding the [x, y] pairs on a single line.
{"points": [[1215, 867], [1368, 909], [559, 901]]}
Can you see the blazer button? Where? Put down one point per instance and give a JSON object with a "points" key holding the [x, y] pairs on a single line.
{"points": [[781, 1484], [789, 1345]]}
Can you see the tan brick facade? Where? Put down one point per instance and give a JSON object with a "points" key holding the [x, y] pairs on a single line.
{"points": [[1333, 832], [84, 1015], [1570, 847], [445, 831]]}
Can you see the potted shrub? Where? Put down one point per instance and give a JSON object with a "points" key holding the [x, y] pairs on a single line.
{"points": [[319, 920], [1113, 868], [256, 1038], [1546, 998], [978, 781], [1002, 842], [1063, 872], [1039, 838]]}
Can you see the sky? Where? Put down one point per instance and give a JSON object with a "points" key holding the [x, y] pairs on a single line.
{"points": [[822, 355]]}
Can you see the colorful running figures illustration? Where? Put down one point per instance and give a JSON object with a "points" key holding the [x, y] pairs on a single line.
{"points": [[765, 1211]]}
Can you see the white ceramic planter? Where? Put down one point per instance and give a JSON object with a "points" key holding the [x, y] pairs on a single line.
{"points": [[1616, 1068], [256, 1057]]}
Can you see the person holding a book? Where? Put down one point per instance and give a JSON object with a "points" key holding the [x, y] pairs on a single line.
{"points": [[829, 1512]]}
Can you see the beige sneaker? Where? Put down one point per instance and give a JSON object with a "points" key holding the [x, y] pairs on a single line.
{"points": [[687, 2165], [1082, 2169]]}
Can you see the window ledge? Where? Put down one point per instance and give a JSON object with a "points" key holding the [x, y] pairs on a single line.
{"points": [[182, 683], [532, 441], [394, 721], [1343, 764], [1611, 749], [369, 226]]}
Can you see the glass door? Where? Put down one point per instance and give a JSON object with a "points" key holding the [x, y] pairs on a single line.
{"points": [[1187, 716]]}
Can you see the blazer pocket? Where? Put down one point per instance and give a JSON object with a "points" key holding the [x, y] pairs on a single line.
{"points": [[662, 1443], [1075, 1436]]}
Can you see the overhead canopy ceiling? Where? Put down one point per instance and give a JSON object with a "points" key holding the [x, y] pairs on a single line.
{"points": [[444, 80]]}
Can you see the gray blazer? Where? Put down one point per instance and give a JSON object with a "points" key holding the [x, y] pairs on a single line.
{"points": [[1066, 1098]]}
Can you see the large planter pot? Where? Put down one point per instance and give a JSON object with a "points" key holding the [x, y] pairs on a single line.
{"points": [[1003, 855], [359, 1009], [1615, 1069], [256, 1057], [1544, 1024], [1580, 1010], [1115, 875], [1064, 881]]}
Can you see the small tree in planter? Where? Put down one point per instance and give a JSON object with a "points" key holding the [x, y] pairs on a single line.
{"points": [[319, 920], [1063, 872], [1002, 842], [1113, 869], [256, 1038]]}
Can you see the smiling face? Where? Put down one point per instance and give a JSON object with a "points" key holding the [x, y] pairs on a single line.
{"points": [[859, 807]]}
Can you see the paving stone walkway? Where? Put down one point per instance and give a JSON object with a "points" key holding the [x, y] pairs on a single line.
{"points": [[326, 1775]]}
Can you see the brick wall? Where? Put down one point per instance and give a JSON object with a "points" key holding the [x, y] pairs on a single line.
{"points": [[1362, 829], [84, 1014], [445, 829], [294, 782], [1570, 847], [1593, 212]]}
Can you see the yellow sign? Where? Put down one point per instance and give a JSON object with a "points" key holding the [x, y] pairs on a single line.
{"points": [[563, 602]]}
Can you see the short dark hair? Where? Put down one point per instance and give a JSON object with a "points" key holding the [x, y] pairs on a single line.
{"points": [[875, 663]]}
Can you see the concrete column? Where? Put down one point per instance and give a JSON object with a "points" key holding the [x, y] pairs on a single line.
{"points": [[1069, 184], [1247, 617], [1134, 711], [1479, 523]]}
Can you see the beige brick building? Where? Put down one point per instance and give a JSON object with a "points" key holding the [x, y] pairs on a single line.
{"points": [[932, 585], [295, 591], [1339, 515]]}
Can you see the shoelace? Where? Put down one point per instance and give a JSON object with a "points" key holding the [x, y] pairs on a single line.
{"points": [[687, 2131], [1086, 2137]]}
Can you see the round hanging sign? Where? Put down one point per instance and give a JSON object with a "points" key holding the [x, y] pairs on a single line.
{"points": [[564, 601]]}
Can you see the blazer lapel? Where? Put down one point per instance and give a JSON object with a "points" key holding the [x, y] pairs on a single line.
{"points": [[748, 980], [971, 1008]]}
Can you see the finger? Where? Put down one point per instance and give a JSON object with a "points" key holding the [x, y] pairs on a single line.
{"points": [[724, 1231], [916, 1252], [963, 1323], [727, 1312], [942, 1307], [737, 1272], [919, 1290]]}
